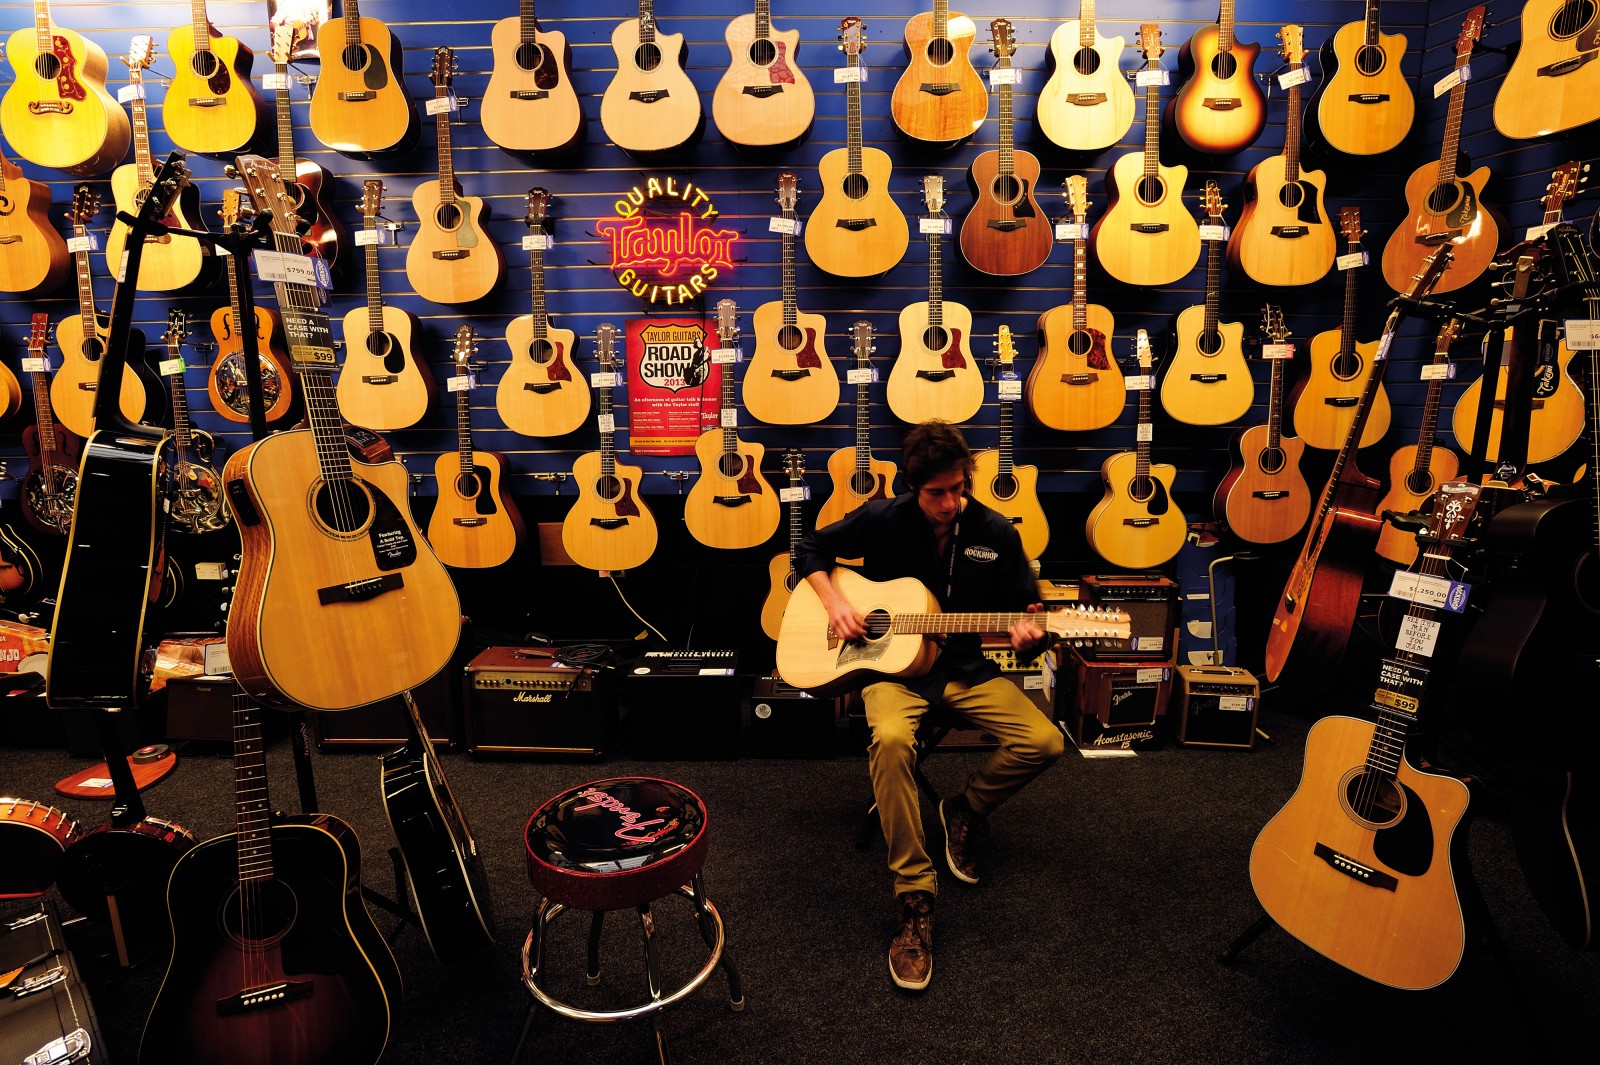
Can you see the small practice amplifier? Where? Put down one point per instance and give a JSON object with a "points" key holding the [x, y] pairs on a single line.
{"points": [[682, 705], [1151, 603], [1218, 707], [786, 722], [1112, 705], [527, 700]]}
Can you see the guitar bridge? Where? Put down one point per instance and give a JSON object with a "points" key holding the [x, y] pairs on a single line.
{"points": [[1221, 103], [469, 523], [1007, 225], [648, 96], [1342, 401], [1564, 66], [1355, 870], [935, 375], [206, 101], [541, 388], [359, 591], [761, 92], [1270, 494], [1140, 523], [608, 523], [730, 501], [1079, 378], [357, 96], [49, 107], [1208, 378], [791, 375], [452, 254], [1369, 97], [856, 224], [1086, 99], [939, 88], [529, 94], [262, 997], [379, 379], [1148, 227], [1290, 232]]}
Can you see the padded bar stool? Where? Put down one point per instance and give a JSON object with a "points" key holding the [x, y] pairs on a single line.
{"points": [[617, 844]]}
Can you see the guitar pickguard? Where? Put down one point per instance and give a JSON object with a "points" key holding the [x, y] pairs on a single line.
{"points": [[749, 477], [557, 370], [854, 652], [807, 358], [1097, 350], [68, 87], [952, 359], [780, 73], [393, 546], [1407, 847], [374, 73]]}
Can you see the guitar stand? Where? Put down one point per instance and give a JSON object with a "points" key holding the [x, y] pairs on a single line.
{"points": [[400, 909]]}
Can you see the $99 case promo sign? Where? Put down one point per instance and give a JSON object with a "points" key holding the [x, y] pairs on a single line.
{"points": [[673, 386]]}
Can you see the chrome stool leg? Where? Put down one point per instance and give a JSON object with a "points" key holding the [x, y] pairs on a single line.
{"points": [[708, 932], [593, 974], [652, 968]]}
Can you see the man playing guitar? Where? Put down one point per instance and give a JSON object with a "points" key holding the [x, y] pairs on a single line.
{"points": [[971, 558]]}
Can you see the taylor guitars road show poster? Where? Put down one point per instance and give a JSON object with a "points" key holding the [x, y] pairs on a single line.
{"points": [[673, 385]]}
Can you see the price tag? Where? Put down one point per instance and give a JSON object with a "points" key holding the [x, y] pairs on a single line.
{"points": [[1351, 260], [1429, 590], [1458, 76], [730, 418], [798, 493], [171, 367], [604, 379], [847, 75], [1535, 232], [1011, 389], [35, 364], [538, 242], [367, 238], [1137, 383], [999, 76], [1150, 675], [121, 272], [1143, 78], [1072, 230], [441, 105], [1418, 636], [87, 242], [1439, 371], [1235, 702], [608, 423], [285, 266], [1383, 347], [787, 226], [274, 81], [928, 226], [1583, 334], [1145, 433], [861, 375], [462, 382], [129, 93], [1277, 351], [1212, 231], [726, 356], [1290, 78]]}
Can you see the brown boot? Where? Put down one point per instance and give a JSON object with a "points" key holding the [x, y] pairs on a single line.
{"points": [[911, 949], [964, 836]]}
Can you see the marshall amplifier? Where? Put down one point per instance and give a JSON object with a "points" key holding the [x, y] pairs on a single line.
{"points": [[527, 700], [1112, 705], [682, 705], [1218, 706], [786, 722], [1151, 602]]}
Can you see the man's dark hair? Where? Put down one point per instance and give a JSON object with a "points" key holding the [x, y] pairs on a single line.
{"points": [[931, 448]]}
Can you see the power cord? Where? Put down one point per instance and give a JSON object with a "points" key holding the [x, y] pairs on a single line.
{"points": [[612, 578]]}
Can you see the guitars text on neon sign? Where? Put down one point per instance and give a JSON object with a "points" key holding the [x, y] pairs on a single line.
{"points": [[662, 259]]}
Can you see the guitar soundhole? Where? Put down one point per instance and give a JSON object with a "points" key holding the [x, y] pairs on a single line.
{"points": [[1080, 343], [1208, 343], [792, 580], [862, 482], [93, 348], [1006, 189], [1086, 61], [541, 352], [529, 55], [1444, 198], [877, 624], [936, 338], [379, 344], [1224, 66], [204, 64], [1346, 365], [1271, 460], [448, 217], [1004, 486], [855, 186], [341, 506], [46, 65], [1376, 803], [1141, 489], [763, 52], [1292, 195], [1419, 482], [790, 337], [5, 203], [267, 918], [609, 488], [940, 51], [1370, 60], [731, 465], [354, 56], [1571, 19], [647, 57], [467, 485], [1151, 189]]}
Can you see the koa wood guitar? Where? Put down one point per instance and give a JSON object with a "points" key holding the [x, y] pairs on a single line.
{"points": [[791, 380], [997, 481], [1075, 383], [940, 97], [731, 504], [609, 528], [530, 104], [452, 258], [1146, 237], [1359, 864], [1207, 381], [194, 500], [114, 555], [1086, 104], [650, 105], [1313, 617], [339, 601], [935, 375], [857, 476], [57, 112], [359, 105], [542, 392], [82, 338], [902, 619], [1219, 109], [33, 257], [50, 487], [856, 230], [443, 868], [211, 106], [1264, 498], [171, 262], [475, 524], [382, 385], [1364, 106], [1324, 402], [1284, 236], [226, 382], [1551, 85], [781, 574], [1443, 207], [1005, 233], [1417, 470], [274, 956], [1137, 525], [310, 183], [763, 99]]}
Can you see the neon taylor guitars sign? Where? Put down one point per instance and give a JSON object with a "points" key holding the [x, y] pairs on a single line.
{"points": [[663, 247]]}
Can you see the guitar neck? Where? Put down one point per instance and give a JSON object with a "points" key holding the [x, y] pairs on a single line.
{"points": [[1370, 31], [935, 279], [141, 129], [647, 21], [536, 277], [201, 24], [608, 445], [791, 303], [1430, 413], [127, 807], [1080, 274], [43, 30], [447, 169], [1141, 468], [763, 19], [1347, 323], [923, 624], [1275, 406], [725, 402], [863, 419], [1005, 449], [181, 433], [1213, 285], [797, 529], [941, 18], [252, 809], [1451, 149], [1225, 27], [1007, 154], [80, 259], [1152, 123], [352, 22], [464, 421], [374, 283], [44, 417], [1086, 31], [528, 24], [285, 123], [852, 92], [1291, 134]]}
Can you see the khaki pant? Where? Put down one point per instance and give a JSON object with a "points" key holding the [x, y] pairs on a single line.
{"points": [[1029, 744]]}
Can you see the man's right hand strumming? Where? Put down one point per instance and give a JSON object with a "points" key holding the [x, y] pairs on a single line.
{"points": [[844, 619]]}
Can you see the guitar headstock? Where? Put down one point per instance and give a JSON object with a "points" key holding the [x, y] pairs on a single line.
{"points": [[466, 348], [371, 199], [267, 192], [1272, 324], [1005, 45], [1150, 42], [1565, 184], [177, 329], [171, 178], [141, 52], [1448, 332], [1350, 224], [1005, 351], [1141, 350], [444, 68], [852, 36], [1087, 623], [38, 333], [1076, 190], [1293, 48], [933, 194], [1211, 201], [727, 323], [794, 463], [788, 190], [861, 338], [85, 205], [1471, 30], [1453, 508], [286, 37], [605, 342], [538, 208]]}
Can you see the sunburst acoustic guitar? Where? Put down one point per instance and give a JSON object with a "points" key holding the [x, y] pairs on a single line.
{"points": [[1219, 108]]}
